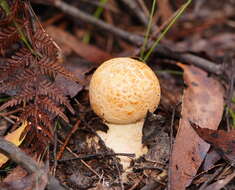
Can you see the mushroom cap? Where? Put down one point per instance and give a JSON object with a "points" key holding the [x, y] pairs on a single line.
{"points": [[122, 90]]}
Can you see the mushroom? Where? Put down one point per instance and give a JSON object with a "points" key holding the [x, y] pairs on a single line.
{"points": [[121, 92]]}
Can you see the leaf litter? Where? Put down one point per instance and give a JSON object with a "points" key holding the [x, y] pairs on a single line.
{"points": [[222, 141], [201, 90], [201, 106]]}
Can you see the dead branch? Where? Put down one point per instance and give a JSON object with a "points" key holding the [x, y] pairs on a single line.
{"points": [[137, 40], [76, 13], [137, 11], [15, 154]]}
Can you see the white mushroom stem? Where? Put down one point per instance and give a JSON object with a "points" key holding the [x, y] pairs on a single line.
{"points": [[125, 139]]}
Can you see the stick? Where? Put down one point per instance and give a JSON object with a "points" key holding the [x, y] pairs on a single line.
{"points": [[136, 9], [98, 155], [74, 129], [137, 40], [27, 163]]}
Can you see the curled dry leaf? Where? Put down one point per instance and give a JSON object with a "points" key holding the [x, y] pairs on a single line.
{"points": [[86, 51], [222, 141], [14, 138], [203, 104]]}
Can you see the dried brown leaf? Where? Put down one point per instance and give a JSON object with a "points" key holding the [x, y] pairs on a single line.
{"points": [[203, 104], [222, 141], [86, 51], [80, 69]]}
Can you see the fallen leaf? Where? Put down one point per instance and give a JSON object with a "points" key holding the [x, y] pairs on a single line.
{"points": [[222, 141], [16, 174], [203, 104], [28, 182], [19, 179], [86, 51], [79, 68], [219, 44], [14, 138], [211, 158], [165, 10], [221, 183]]}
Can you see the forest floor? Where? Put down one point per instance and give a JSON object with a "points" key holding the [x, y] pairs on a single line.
{"points": [[194, 62]]}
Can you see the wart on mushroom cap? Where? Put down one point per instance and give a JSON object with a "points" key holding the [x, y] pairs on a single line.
{"points": [[121, 92]]}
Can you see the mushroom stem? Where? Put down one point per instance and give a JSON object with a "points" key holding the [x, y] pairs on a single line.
{"points": [[125, 138]]}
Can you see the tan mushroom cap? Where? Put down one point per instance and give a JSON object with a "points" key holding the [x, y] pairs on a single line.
{"points": [[122, 90]]}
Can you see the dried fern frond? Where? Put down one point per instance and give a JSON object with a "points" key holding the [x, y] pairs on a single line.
{"points": [[46, 121], [37, 138], [45, 44], [52, 91], [37, 118], [31, 60], [6, 19], [18, 80], [28, 111], [20, 60], [23, 57], [11, 34], [25, 95], [51, 68], [16, 64], [8, 36], [47, 104]]}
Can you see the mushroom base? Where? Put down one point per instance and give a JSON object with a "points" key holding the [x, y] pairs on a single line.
{"points": [[125, 139]]}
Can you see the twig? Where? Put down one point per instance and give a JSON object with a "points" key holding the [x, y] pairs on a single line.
{"points": [[164, 25], [105, 6], [198, 5], [74, 128], [188, 58], [28, 163], [90, 168], [137, 11], [84, 163], [95, 156], [217, 172], [10, 112], [148, 168], [73, 11], [144, 8], [8, 119], [180, 11], [138, 40], [208, 170], [220, 184]]}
